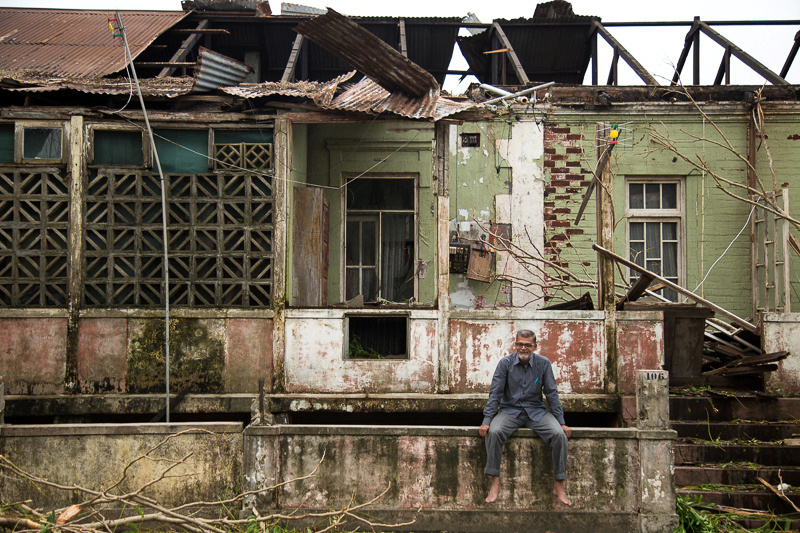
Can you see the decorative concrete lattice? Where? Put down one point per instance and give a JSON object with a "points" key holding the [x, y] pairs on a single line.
{"points": [[34, 228], [220, 232], [249, 156]]}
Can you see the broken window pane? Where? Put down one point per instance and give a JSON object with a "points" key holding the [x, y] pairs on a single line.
{"points": [[377, 337], [41, 143]]}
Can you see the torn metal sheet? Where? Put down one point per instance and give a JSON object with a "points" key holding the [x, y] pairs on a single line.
{"points": [[368, 97], [26, 81], [75, 42], [215, 70], [369, 54], [321, 93]]}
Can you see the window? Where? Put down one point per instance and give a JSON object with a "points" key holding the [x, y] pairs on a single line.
{"points": [[655, 225], [41, 143], [117, 147], [380, 247], [377, 337]]}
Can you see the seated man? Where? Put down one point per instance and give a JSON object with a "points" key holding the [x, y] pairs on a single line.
{"points": [[517, 386]]}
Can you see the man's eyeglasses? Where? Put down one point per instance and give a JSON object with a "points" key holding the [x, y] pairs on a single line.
{"points": [[526, 344]]}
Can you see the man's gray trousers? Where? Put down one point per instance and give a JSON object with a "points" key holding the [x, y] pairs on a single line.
{"points": [[548, 429]]}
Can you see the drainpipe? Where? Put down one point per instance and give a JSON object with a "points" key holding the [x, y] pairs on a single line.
{"points": [[519, 96]]}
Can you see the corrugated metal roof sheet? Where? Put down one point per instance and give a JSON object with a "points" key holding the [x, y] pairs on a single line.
{"points": [[369, 54], [321, 93], [26, 81], [215, 70], [368, 97], [75, 42]]}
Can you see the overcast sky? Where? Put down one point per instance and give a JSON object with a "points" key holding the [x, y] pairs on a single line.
{"points": [[656, 48]]}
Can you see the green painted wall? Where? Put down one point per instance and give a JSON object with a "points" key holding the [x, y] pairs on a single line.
{"points": [[336, 152], [712, 219], [476, 176]]}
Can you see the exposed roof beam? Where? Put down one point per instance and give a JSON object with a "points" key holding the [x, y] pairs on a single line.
{"points": [[403, 45], [208, 31], [629, 59], [291, 65], [791, 56], [512, 55], [743, 56], [184, 50], [687, 45], [724, 68]]}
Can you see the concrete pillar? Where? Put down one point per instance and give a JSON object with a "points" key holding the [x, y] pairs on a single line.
{"points": [[652, 399], [656, 452]]}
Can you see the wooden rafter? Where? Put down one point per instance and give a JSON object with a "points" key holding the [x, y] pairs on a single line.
{"points": [[512, 55], [403, 44], [743, 56], [291, 65], [791, 56], [184, 50], [624, 54]]}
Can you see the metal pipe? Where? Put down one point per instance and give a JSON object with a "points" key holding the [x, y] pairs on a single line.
{"points": [[495, 90], [163, 207], [529, 90]]}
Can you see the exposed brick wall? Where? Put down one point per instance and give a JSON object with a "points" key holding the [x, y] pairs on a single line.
{"points": [[566, 179]]}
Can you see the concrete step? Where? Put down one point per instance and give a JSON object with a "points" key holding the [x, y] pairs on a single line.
{"points": [[761, 454], [725, 475], [742, 499], [724, 408], [736, 431]]}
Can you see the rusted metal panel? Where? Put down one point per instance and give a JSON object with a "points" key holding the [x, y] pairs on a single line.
{"points": [[102, 354], [34, 355], [321, 93], [782, 332], [26, 81], [640, 346], [574, 347], [248, 354], [315, 357], [369, 54], [368, 97], [75, 42]]}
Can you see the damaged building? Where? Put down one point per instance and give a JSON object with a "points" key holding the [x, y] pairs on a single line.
{"points": [[336, 241]]}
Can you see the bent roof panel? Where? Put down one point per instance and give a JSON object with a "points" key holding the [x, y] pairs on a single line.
{"points": [[75, 42]]}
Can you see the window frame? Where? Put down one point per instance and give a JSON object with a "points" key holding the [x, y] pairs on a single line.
{"points": [[147, 160], [19, 142], [660, 215], [347, 177], [376, 316]]}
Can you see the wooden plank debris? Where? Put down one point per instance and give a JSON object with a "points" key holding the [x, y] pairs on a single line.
{"points": [[630, 264]]}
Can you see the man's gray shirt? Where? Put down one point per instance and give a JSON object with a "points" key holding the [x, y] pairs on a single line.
{"points": [[518, 387]]}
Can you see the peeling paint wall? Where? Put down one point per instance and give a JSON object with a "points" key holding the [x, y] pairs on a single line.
{"points": [[33, 355], [497, 187], [573, 343], [315, 360], [640, 346], [782, 332]]}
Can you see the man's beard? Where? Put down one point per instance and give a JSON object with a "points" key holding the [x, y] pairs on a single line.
{"points": [[524, 358]]}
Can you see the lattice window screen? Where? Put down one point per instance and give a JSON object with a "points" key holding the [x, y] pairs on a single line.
{"points": [[220, 230], [250, 156], [34, 227]]}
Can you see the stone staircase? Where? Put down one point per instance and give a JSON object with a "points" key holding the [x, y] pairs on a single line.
{"points": [[726, 443]]}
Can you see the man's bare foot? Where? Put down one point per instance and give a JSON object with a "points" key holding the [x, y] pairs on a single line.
{"points": [[494, 489], [560, 493]]}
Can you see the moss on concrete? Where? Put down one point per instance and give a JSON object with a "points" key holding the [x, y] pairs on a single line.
{"points": [[197, 355]]}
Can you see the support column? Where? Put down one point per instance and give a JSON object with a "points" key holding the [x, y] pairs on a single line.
{"points": [[605, 265], [656, 452], [75, 169], [282, 143], [441, 174]]}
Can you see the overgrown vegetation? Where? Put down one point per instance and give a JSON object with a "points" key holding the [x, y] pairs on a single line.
{"points": [[695, 517]]}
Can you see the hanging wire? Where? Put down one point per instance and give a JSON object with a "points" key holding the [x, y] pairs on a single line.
{"points": [[122, 34]]}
